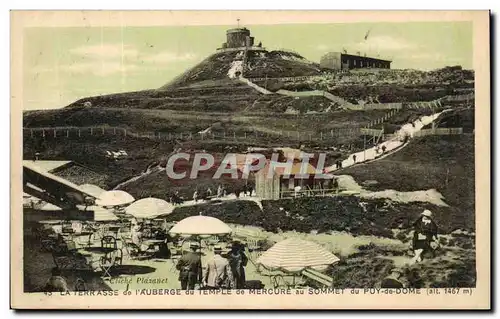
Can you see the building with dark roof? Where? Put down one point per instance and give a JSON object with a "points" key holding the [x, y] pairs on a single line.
{"points": [[344, 61], [74, 172]]}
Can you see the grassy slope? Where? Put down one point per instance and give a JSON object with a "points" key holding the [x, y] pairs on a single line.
{"points": [[90, 152], [445, 163]]}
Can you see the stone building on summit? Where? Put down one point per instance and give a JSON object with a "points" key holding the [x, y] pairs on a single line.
{"points": [[238, 38], [344, 61]]}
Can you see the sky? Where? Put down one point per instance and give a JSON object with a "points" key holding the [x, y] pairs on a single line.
{"points": [[63, 64]]}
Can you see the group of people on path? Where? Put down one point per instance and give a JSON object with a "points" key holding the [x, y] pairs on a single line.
{"points": [[247, 190], [223, 270]]}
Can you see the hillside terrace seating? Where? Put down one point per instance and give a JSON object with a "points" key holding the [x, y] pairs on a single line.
{"points": [[67, 257]]}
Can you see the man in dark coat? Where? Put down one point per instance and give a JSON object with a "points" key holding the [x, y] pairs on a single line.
{"points": [[189, 266]]}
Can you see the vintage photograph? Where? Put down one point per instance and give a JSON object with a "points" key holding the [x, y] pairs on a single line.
{"points": [[248, 156]]}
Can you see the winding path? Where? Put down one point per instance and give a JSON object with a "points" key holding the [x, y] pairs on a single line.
{"points": [[395, 144]]}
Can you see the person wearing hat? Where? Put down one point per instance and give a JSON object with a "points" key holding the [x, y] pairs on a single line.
{"points": [[238, 261], [217, 275], [394, 280], [189, 266], [425, 236]]}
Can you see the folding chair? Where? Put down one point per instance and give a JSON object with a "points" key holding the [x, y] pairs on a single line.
{"points": [[107, 263], [109, 242], [67, 258], [110, 261], [67, 230]]}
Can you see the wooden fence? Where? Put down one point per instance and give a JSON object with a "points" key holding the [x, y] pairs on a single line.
{"points": [[370, 131], [381, 120], [382, 106], [428, 132], [459, 98], [440, 131], [82, 132]]}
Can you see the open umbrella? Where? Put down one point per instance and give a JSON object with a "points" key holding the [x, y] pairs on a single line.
{"points": [[92, 189], [114, 198], [294, 254], [200, 225], [149, 208]]}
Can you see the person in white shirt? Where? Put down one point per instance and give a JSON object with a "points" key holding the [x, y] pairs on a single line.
{"points": [[217, 275]]}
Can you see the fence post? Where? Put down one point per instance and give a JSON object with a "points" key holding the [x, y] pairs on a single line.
{"points": [[55, 133], [79, 133], [331, 131], [43, 133], [91, 131], [234, 135], [124, 132], [102, 129], [321, 136], [31, 133], [67, 133], [114, 130]]}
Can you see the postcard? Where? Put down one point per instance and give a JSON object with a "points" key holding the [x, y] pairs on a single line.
{"points": [[250, 160]]}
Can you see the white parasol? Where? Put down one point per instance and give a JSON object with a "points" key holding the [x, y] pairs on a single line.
{"points": [[294, 254], [92, 189], [200, 225], [149, 208], [114, 198]]}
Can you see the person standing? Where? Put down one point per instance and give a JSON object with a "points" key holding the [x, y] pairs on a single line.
{"points": [[195, 196], [219, 191], [136, 233], [335, 184], [209, 193], [189, 266], [425, 236], [354, 158], [217, 275], [238, 261], [250, 190]]}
